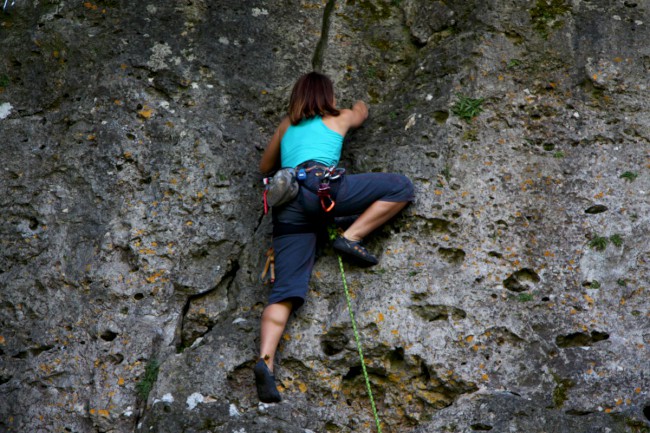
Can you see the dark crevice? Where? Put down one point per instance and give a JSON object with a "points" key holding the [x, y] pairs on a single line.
{"points": [[480, 427], [580, 339], [334, 341], [181, 342], [355, 371], [260, 220], [577, 412], [319, 53], [33, 352], [434, 312], [519, 281], [108, 335], [5, 378]]}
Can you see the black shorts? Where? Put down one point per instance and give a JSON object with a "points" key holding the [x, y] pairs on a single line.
{"points": [[295, 224]]}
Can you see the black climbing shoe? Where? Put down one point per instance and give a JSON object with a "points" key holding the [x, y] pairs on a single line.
{"points": [[265, 382], [355, 251]]}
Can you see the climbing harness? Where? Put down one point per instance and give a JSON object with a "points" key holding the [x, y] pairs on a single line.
{"points": [[332, 236], [269, 266]]}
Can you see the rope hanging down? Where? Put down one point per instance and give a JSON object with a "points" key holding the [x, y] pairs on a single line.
{"points": [[332, 236]]}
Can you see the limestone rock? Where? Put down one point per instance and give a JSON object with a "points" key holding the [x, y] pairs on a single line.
{"points": [[510, 296]]}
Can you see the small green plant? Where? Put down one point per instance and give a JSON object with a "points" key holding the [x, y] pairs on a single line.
{"points": [[598, 243], [559, 154], [147, 380], [446, 172], [616, 239], [630, 176], [595, 284], [525, 297], [467, 108], [4, 80], [622, 282], [513, 63], [371, 72]]}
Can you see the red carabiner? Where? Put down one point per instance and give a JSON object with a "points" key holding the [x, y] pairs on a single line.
{"points": [[331, 206], [324, 193]]}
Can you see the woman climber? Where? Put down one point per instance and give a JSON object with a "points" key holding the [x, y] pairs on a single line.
{"points": [[310, 139]]}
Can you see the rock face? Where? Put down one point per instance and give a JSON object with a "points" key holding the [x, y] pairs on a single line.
{"points": [[511, 296]]}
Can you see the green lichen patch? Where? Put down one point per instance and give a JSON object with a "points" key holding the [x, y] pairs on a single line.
{"points": [[545, 15], [376, 10], [560, 393], [525, 297]]}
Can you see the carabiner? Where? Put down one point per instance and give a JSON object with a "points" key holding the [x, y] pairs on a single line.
{"points": [[331, 206]]}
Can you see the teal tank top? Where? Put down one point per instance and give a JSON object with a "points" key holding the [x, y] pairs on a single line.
{"points": [[309, 140]]}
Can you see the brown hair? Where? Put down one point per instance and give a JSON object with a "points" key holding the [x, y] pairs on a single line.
{"points": [[313, 94]]}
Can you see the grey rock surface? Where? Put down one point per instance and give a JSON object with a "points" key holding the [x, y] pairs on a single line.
{"points": [[511, 296]]}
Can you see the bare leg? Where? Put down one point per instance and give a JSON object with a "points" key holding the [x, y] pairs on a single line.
{"points": [[378, 213], [274, 319]]}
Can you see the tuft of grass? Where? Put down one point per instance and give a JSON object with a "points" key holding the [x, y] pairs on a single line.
{"points": [[147, 380], [630, 176], [4, 80], [622, 282], [446, 172], [599, 243], [513, 63], [595, 284], [616, 239], [467, 108], [559, 154]]}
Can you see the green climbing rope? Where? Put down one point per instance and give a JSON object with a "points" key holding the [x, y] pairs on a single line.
{"points": [[333, 234]]}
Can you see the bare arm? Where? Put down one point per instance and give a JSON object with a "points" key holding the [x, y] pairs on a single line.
{"points": [[349, 118], [357, 115], [271, 157]]}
